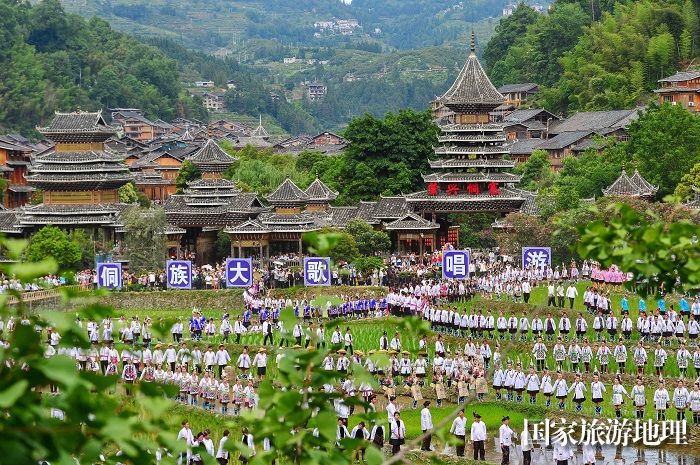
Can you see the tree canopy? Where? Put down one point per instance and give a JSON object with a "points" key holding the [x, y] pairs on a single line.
{"points": [[50, 241]]}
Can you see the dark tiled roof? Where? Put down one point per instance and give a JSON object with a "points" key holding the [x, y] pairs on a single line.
{"points": [[79, 121], [525, 87], [248, 226], [212, 158], [390, 207], [564, 140], [594, 120], [20, 188], [682, 76], [287, 193], [530, 205], [645, 187], [171, 229], [472, 88], [8, 222], [366, 210], [635, 186], [319, 192], [528, 114], [212, 184], [411, 221], [340, 216]]}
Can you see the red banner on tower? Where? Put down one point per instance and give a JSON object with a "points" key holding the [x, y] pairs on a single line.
{"points": [[493, 188], [433, 188], [473, 188]]}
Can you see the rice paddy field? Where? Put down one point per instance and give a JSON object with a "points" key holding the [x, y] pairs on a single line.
{"points": [[164, 307]]}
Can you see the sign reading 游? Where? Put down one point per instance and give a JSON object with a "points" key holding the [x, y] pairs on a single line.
{"points": [[538, 257]]}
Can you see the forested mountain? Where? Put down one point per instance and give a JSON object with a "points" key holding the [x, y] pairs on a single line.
{"points": [[213, 24], [50, 60], [607, 57]]}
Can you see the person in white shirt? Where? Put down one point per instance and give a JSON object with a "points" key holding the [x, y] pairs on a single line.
{"points": [[398, 433], [562, 453], [661, 401], [221, 453], [260, 361], [426, 425], [478, 437], [526, 446], [459, 430], [249, 443], [505, 439], [391, 408], [185, 435], [571, 293], [208, 443]]}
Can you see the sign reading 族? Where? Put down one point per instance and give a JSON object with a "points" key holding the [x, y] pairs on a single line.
{"points": [[317, 271], [179, 274], [538, 257], [239, 272], [109, 275], [455, 264]]}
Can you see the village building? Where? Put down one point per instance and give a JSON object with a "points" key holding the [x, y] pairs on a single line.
{"points": [[517, 94], [472, 172], [213, 101], [631, 186], [79, 178], [14, 160], [315, 91], [683, 88]]}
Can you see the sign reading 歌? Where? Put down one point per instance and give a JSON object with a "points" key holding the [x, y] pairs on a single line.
{"points": [[455, 264], [179, 274], [109, 275], [538, 257], [317, 271], [239, 272]]}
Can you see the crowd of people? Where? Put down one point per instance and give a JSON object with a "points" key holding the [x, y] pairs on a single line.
{"points": [[568, 360]]}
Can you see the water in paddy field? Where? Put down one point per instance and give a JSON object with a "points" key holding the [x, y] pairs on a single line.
{"points": [[616, 456]]}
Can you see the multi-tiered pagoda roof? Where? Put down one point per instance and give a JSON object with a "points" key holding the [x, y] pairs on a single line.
{"points": [[471, 172], [78, 171], [79, 177], [212, 203], [211, 158]]}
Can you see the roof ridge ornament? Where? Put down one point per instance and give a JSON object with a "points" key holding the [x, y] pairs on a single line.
{"points": [[472, 48]]}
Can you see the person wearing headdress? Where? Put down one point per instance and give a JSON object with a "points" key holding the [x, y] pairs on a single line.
{"points": [[597, 391]]}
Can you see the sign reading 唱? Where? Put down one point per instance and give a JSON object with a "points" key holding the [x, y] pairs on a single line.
{"points": [[179, 274], [317, 271], [455, 264], [109, 275], [539, 257], [239, 272]]}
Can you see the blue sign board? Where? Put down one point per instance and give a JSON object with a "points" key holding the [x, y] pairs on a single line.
{"points": [[109, 275], [538, 257], [317, 271], [239, 272], [179, 274], [455, 264]]}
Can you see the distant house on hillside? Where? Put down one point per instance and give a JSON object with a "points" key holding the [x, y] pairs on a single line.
{"points": [[138, 127], [315, 91], [516, 94], [213, 101], [204, 84], [683, 88]]}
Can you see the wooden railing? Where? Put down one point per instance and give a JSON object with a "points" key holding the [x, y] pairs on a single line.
{"points": [[45, 294]]}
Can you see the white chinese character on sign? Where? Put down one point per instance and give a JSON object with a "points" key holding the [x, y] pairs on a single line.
{"points": [[179, 275], [538, 258], [456, 264], [237, 269], [316, 272], [110, 276]]}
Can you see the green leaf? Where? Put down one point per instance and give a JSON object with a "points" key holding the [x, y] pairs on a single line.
{"points": [[10, 395]]}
